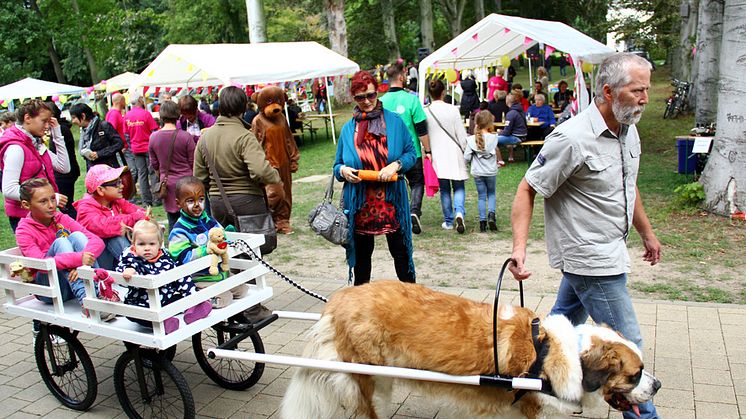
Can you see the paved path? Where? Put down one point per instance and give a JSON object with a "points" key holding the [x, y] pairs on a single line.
{"points": [[697, 350]]}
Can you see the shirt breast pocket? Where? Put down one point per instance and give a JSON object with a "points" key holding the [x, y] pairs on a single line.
{"points": [[601, 172]]}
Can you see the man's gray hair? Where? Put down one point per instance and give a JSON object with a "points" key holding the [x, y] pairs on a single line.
{"points": [[614, 71]]}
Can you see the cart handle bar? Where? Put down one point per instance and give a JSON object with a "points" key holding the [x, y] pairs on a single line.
{"points": [[509, 383]]}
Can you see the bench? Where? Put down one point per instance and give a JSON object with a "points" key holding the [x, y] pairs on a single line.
{"points": [[528, 149]]}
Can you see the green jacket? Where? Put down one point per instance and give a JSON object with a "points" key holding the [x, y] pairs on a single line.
{"points": [[240, 160]]}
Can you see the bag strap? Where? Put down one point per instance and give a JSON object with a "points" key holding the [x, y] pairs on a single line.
{"points": [[170, 155], [214, 172], [445, 130], [329, 190]]}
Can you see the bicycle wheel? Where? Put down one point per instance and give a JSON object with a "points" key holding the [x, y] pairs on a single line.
{"points": [[163, 393], [668, 112], [232, 374], [65, 367]]}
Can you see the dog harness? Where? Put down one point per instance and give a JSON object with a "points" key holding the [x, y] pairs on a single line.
{"points": [[542, 350]]}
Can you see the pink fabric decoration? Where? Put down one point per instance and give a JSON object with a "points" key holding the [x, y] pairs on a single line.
{"points": [[431, 178], [506, 30], [475, 37], [527, 41], [454, 51], [548, 50]]}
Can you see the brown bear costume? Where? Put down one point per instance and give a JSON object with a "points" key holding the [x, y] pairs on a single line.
{"points": [[271, 129]]}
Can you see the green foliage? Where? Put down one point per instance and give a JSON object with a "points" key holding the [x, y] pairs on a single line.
{"points": [[206, 22], [658, 33], [22, 43], [689, 195]]}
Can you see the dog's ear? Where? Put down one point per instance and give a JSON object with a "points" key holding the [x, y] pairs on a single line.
{"points": [[597, 366]]}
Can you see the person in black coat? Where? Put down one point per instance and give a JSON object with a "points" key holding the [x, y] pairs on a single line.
{"points": [[100, 143], [469, 99], [497, 106], [66, 182]]}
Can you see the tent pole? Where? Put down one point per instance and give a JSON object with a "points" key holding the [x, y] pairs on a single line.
{"points": [[530, 73], [329, 106]]}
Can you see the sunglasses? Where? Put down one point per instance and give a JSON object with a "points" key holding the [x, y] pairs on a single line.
{"points": [[114, 184], [362, 97]]}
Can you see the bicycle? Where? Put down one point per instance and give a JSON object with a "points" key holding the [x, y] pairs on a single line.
{"points": [[678, 102]]}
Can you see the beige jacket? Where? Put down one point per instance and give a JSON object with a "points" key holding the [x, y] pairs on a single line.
{"points": [[240, 160]]}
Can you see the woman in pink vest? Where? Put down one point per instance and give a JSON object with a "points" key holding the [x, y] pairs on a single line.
{"points": [[24, 155]]}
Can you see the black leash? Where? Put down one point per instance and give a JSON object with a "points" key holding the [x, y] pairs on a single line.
{"points": [[244, 247]]}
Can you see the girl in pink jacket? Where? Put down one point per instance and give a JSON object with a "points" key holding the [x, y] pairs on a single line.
{"points": [[103, 211], [46, 233]]}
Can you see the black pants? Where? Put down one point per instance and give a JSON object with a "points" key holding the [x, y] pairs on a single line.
{"points": [[364, 245], [173, 217], [14, 222], [416, 178], [67, 187]]}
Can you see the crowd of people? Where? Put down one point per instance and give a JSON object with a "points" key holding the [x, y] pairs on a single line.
{"points": [[208, 171]]}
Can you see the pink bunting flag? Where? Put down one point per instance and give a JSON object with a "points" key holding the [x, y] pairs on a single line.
{"points": [[145, 90], [548, 50], [454, 51], [569, 60], [527, 41], [157, 90], [168, 89], [475, 37], [506, 30]]}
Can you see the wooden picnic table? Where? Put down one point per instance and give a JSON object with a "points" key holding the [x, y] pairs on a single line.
{"points": [[324, 116], [528, 149]]}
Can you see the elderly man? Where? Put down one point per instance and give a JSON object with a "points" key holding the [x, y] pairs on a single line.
{"points": [[587, 174]]}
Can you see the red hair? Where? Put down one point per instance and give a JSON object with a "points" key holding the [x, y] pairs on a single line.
{"points": [[361, 80]]}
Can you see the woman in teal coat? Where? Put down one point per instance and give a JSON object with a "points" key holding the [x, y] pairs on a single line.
{"points": [[375, 139]]}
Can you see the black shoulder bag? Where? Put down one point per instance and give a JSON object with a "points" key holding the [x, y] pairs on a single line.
{"points": [[329, 221]]}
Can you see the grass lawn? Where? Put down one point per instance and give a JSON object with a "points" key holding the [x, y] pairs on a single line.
{"points": [[706, 250]]}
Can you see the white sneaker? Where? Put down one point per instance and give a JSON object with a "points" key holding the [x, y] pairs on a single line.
{"points": [[445, 226], [460, 223]]}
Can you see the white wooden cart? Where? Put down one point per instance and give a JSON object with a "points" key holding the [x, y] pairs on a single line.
{"points": [[147, 383]]}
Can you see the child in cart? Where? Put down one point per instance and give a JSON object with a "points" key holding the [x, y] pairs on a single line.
{"points": [[146, 257], [46, 233], [189, 236], [103, 211]]}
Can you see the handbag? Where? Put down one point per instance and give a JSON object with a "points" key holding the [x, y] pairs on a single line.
{"points": [[254, 223], [160, 188], [329, 221]]}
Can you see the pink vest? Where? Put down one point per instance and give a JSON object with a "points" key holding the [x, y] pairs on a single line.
{"points": [[34, 165]]}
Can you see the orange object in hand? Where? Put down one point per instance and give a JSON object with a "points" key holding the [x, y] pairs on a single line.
{"points": [[372, 175]]}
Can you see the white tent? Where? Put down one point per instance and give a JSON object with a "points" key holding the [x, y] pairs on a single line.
{"points": [[189, 66], [245, 64], [118, 82], [31, 88], [496, 36]]}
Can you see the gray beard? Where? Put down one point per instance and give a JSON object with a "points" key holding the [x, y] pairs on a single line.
{"points": [[627, 115]]}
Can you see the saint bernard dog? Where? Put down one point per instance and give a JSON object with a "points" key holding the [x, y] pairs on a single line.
{"points": [[407, 325]]}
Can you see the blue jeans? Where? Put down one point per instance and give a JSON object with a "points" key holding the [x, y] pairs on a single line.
{"points": [[71, 244], [459, 196], [606, 300], [508, 140], [114, 246], [486, 193]]}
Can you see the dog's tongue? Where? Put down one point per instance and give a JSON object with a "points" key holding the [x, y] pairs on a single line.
{"points": [[636, 409]]}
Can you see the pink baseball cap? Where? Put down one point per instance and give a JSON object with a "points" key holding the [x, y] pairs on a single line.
{"points": [[100, 174]]}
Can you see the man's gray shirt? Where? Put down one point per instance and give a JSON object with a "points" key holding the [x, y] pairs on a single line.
{"points": [[587, 176]]}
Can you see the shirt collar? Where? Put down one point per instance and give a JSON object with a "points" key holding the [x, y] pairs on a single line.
{"points": [[600, 129], [395, 89]]}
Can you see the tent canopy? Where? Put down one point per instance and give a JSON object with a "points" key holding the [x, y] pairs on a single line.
{"points": [[30, 88], [118, 82], [226, 64], [500, 35]]}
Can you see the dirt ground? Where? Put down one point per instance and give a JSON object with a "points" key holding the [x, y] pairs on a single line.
{"points": [[475, 264]]}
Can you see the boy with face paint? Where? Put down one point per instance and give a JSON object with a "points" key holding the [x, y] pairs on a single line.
{"points": [[189, 236]]}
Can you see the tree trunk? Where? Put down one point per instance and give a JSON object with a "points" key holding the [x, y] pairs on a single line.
{"points": [[389, 30], [709, 37], [499, 6], [257, 21], [479, 9], [51, 49], [426, 24], [335, 16], [688, 31], [724, 178], [453, 10], [88, 55]]}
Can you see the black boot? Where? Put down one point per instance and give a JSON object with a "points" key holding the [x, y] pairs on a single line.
{"points": [[492, 221], [483, 226]]}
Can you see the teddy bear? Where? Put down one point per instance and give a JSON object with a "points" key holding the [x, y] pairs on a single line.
{"points": [[273, 132], [218, 248], [17, 270]]}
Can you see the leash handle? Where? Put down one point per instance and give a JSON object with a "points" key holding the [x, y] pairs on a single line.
{"points": [[494, 311]]}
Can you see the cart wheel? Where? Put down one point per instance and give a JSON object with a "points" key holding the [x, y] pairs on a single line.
{"points": [[232, 374], [65, 367], [163, 392]]}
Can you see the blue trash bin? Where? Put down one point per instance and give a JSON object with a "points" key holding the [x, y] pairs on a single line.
{"points": [[687, 160]]}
